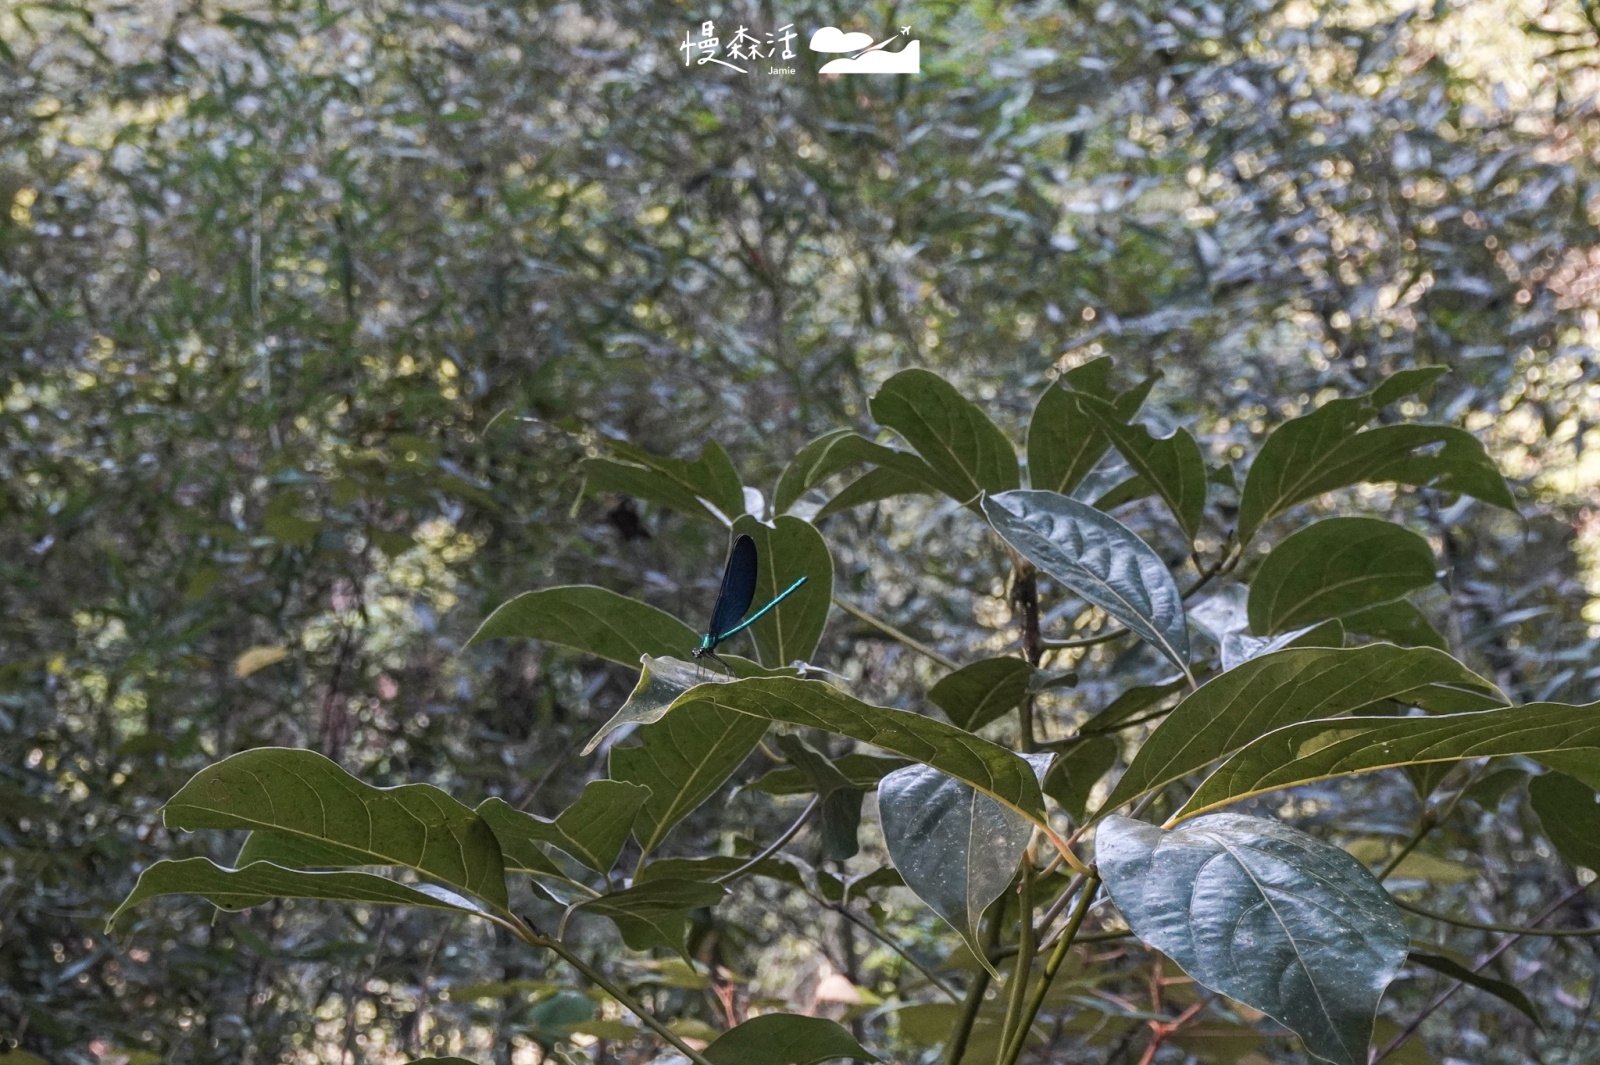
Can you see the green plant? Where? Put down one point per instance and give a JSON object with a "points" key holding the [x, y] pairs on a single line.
{"points": [[997, 814]]}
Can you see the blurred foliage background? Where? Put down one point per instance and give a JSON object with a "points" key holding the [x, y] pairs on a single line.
{"points": [[309, 308]]}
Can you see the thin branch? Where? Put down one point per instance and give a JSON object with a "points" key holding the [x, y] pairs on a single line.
{"points": [[1019, 1037], [1511, 929], [777, 844], [881, 937], [890, 631]]}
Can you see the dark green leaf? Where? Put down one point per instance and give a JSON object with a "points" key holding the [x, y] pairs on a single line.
{"points": [[1567, 737], [655, 913], [813, 704], [861, 770], [1336, 567], [1100, 559], [839, 799], [625, 478], [1325, 450], [977, 694], [1077, 770], [788, 550], [1399, 622], [1063, 446], [304, 795], [238, 889], [711, 477], [1455, 970], [870, 487], [591, 619], [592, 830], [1569, 810], [519, 846], [957, 848], [1288, 686], [784, 1039], [827, 455], [1171, 465], [810, 466], [1264, 914], [951, 433]]}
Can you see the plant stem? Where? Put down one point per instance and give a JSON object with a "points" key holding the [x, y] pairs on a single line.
{"points": [[1019, 1037], [1516, 930], [1017, 989], [525, 932], [962, 1032], [1086, 641], [1409, 1030], [890, 631], [777, 844], [867, 927]]}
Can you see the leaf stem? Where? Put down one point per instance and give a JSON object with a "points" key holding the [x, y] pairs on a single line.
{"points": [[1481, 926], [1019, 1037], [894, 633], [527, 934], [776, 845], [1017, 988], [962, 1032]]}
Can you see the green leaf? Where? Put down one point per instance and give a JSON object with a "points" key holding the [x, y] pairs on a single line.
{"points": [[238, 889], [1569, 810], [827, 455], [592, 830], [710, 477], [788, 550], [870, 487], [592, 620], [983, 691], [655, 913], [957, 848], [988, 767], [1064, 446], [840, 801], [683, 760], [861, 770], [1078, 769], [304, 795], [1136, 701], [640, 482], [810, 466], [519, 846], [1554, 733], [1172, 465], [1100, 559], [784, 1039], [1500, 989], [1288, 686], [1264, 914], [1325, 450], [1336, 567], [1399, 622], [965, 450]]}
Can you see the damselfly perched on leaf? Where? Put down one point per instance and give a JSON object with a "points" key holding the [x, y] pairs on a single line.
{"points": [[738, 591]]}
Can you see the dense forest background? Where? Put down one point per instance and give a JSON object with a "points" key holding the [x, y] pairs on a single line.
{"points": [[310, 310]]}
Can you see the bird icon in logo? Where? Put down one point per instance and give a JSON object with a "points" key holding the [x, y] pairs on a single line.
{"points": [[865, 56]]}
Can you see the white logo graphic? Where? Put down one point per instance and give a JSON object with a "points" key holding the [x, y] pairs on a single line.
{"points": [[743, 47], [869, 58]]}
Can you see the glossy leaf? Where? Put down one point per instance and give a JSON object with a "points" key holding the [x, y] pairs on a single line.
{"points": [[982, 691], [1569, 810], [956, 847], [813, 704], [304, 795], [1172, 465], [1064, 446], [784, 1039], [1100, 559], [1288, 686], [592, 830], [1326, 449], [1336, 567], [593, 620], [861, 770], [656, 913], [1557, 734], [259, 882], [788, 550], [966, 451], [1264, 914]]}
